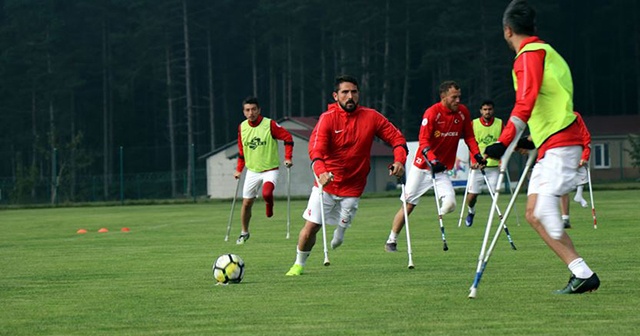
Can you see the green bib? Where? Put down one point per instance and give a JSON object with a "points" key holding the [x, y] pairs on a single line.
{"points": [[553, 109], [260, 148], [487, 135]]}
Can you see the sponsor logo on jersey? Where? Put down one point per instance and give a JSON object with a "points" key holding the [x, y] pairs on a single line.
{"points": [[488, 140], [438, 134], [254, 143]]}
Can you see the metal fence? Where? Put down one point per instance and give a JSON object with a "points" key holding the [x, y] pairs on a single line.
{"points": [[120, 187]]}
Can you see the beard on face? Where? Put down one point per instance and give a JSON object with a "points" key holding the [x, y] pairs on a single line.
{"points": [[349, 105]]}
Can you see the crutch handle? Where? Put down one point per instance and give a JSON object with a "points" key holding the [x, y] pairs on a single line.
{"points": [[401, 179]]}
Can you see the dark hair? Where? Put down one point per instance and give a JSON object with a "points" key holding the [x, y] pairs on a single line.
{"points": [[446, 85], [520, 17], [345, 78], [487, 102], [251, 100]]}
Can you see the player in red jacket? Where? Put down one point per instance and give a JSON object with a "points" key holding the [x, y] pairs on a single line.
{"points": [[582, 173], [340, 152], [443, 124]]}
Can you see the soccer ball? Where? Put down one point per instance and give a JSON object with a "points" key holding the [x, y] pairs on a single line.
{"points": [[228, 268]]}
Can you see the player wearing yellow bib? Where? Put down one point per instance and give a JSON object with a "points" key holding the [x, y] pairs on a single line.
{"points": [[258, 151], [544, 100], [487, 129]]}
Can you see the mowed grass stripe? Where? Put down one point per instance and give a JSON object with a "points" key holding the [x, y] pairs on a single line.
{"points": [[157, 278]]}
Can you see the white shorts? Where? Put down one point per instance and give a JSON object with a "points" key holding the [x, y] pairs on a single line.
{"points": [[555, 174], [419, 182], [581, 177], [477, 180], [336, 209], [253, 181]]}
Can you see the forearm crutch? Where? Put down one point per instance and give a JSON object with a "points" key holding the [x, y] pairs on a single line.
{"points": [[288, 201], [324, 226], [402, 181], [445, 247], [506, 230], [233, 205], [464, 198], [520, 127], [593, 205]]}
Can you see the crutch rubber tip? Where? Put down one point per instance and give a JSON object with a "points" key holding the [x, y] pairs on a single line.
{"points": [[472, 294], [326, 263], [445, 248], [411, 267]]}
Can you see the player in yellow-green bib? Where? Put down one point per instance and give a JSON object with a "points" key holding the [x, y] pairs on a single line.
{"points": [[544, 100], [258, 151], [487, 130]]}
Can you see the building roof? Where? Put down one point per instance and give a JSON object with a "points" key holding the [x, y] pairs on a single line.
{"points": [[307, 122], [613, 125]]}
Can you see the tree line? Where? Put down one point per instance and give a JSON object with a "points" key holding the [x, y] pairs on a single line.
{"points": [[164, 79]]}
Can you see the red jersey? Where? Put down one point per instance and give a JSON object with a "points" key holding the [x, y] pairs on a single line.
{"points": [[441, 131], [529, 70], [277, 132], [341, 144]]}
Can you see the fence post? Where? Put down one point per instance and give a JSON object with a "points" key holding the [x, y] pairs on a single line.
{"points": [[193, 172], [121, 176], [54, 173]]}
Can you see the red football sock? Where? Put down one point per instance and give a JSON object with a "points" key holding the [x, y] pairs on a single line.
{"points": [[267, 194]]}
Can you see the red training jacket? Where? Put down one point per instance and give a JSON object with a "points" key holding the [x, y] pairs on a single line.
{"points": [[341, 144], [440, 131]]}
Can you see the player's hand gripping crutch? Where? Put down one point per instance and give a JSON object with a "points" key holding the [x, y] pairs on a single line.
{"points": [[402, 181], [445, 247], [324, 226], [502, 219], [520, 127], [593, 205], [233, 205], [464, 198]]}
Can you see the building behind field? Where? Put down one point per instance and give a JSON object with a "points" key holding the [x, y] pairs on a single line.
{"points": [[221, 164], [610, 160]]}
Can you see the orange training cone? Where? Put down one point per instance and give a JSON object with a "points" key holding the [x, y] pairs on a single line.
{"points": [[103, 230], [81, 231], [125, 229]]}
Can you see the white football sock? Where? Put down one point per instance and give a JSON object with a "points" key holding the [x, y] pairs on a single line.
{"points": [[338, 233], [580, 269], [565, 217], [301, 257], [472, 210], [338, 236], [578, 197], [393, 237]]}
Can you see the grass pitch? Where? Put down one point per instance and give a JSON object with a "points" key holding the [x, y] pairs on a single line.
{"points": [[157, 279]]}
